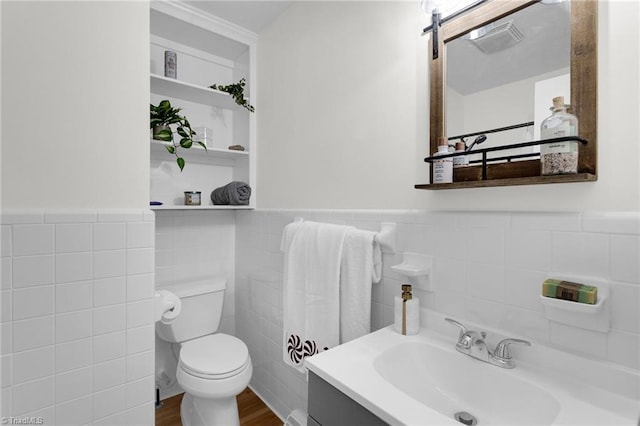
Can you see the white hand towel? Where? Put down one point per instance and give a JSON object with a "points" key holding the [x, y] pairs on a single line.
{"points": [[312, 253], [361, 266]]}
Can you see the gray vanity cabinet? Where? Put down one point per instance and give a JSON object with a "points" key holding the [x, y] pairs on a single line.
{"points": [[329, 407]]}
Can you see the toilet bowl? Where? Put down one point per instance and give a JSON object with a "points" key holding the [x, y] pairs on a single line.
{"points": [[213, 368]]}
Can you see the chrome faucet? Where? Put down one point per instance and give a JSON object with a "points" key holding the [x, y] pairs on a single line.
{"points": [[472, 343]]}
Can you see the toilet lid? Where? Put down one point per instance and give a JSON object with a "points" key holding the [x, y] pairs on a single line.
{"points": [[214, 355]]}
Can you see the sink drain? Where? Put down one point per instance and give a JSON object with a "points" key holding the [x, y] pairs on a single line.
{"points": [[465, 418]]}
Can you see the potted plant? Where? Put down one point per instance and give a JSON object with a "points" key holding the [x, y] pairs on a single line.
{"points": [[163, 117], [236, 90]]}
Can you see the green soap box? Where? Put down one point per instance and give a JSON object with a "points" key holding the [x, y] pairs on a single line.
{"points": [[567, 290]]}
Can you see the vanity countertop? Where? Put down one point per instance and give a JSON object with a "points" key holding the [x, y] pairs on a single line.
{"points": [[351, 369]]}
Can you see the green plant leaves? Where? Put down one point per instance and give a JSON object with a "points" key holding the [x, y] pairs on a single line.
{"points": [[164, 114], [180, 162], [236, 90]]}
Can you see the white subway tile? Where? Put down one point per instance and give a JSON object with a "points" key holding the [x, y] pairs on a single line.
{"points": [[110, 263], [140, 365], [149, 216], [73, 267], [32, 270], [140, 261], [449, 275], [140, 313], [109, 236], [485, 245], [14, 217], [33, 364], [140, 235], [140, 287], [6, 305], [141, 415], [6, 401], [116, 420], [580, 253], [73, 384], [548, 221], [625, 307], [484, 312], [612, 222], [29, 240], [120, 215], [624, 348], [73, 355], [528, 249], [109, 319], [6, 338], [109, 346], [109, 402], [73, 326], [109, 374], [6, 281], [5, 241], [140, 392], [523, 288], [109, 291], [75, 412], [578, 340], [32, 396], [33, 302], [140, 339], [625, 255], [74, 296], [32, 333], [6, 371], [70, 216], [485, 281], [74, 237], [493, 220]]}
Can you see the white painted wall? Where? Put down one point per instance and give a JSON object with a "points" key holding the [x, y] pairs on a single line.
{"points": [[343, 106], [75, 94]]}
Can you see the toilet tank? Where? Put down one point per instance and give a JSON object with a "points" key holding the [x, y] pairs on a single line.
{"points": [[202, 302]]}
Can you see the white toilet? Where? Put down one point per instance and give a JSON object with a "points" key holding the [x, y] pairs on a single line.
{"points": [[212, 368]]}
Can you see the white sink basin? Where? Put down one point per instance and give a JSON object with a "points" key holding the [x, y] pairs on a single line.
{"points": [[453, 382], [423, 380]]}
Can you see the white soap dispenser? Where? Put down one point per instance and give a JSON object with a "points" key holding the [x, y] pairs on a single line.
{"points": [[406, 312]]}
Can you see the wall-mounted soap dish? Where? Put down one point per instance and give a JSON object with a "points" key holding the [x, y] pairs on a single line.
{"points": [[591, 317], [417, 268]]}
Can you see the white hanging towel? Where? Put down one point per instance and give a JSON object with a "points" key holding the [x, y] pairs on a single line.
{"points": [[361, 265], [312, 253]]}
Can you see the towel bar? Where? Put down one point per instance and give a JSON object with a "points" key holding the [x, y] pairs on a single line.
{"points": [[386, 237]]}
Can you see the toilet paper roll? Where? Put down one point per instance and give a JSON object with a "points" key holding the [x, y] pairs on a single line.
{"points": [[167, 306]]}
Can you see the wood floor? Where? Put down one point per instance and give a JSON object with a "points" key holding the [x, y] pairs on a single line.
{"points": [[251, 409]]}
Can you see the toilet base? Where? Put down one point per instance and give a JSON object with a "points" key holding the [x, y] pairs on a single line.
{"points": [[196, 411]]}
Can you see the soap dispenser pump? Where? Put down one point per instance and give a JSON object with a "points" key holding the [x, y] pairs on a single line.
{"points": [[406, 312]]}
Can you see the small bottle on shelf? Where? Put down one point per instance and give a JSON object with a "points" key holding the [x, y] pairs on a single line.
{"points": [[443, 169], [562, 157], [461, 160]]}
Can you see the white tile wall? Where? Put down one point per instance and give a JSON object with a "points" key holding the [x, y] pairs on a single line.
{"points": [[76, 326], [488, 269]]}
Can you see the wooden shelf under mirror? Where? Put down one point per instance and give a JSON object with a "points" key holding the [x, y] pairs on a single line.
{"points": [[583, 92]]}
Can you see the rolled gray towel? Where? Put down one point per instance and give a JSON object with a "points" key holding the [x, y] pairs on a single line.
{"points": [[234, 193]]}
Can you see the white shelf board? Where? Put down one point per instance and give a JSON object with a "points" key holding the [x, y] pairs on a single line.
{"points": [[191, 92], [195, 154], [211, 207]]}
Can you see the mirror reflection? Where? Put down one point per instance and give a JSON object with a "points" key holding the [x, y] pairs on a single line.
{"points": [[506, 73]]}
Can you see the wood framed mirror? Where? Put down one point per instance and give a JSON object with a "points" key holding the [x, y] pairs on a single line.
{"points": [[583, 94]]}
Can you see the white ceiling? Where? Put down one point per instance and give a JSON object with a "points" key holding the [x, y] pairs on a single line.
{"points": [[250, 14]]}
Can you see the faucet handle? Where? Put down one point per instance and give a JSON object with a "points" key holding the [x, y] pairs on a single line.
{"points": [[461, 326], [502, 348]]}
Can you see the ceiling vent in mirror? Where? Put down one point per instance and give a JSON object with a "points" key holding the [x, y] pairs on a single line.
{"points": [[494, 38]]}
